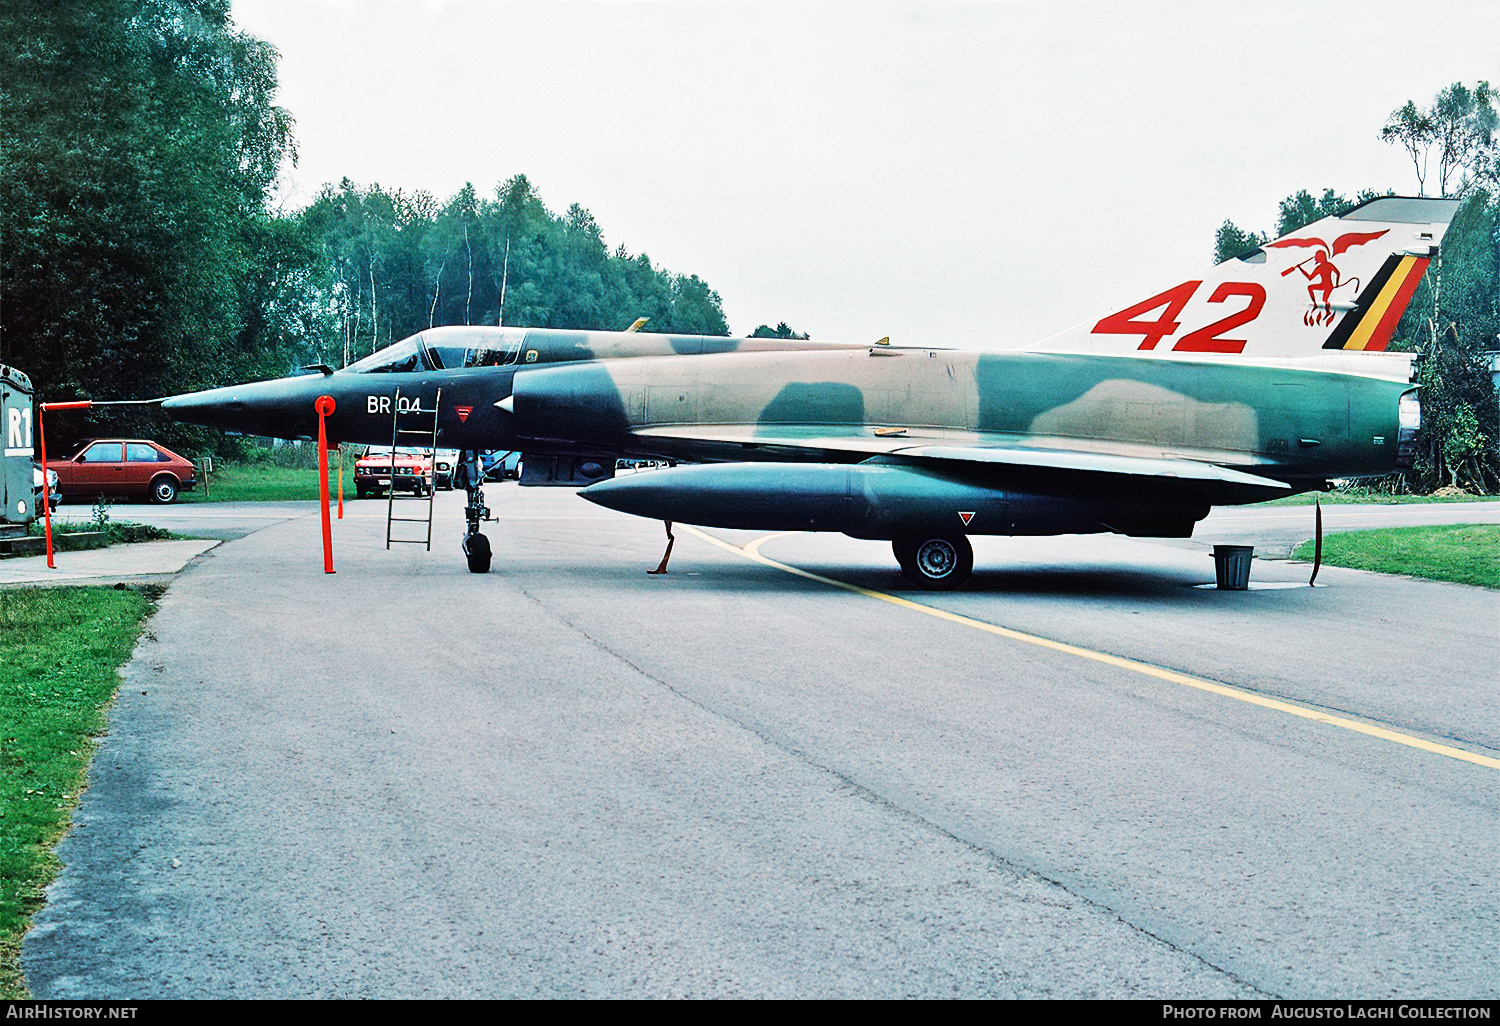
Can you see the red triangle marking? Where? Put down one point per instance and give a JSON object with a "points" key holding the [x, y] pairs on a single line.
{"points": [[463, 412], [966, 517]]}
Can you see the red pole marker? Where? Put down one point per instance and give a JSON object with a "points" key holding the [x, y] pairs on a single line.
{"points": [[324, 405], [41, 435]]}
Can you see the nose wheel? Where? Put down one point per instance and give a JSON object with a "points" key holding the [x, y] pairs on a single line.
{"points": [[477, 552], [475, 545]]}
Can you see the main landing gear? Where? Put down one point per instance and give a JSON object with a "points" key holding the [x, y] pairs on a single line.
{"points": [[934, 561], [469, 476]]}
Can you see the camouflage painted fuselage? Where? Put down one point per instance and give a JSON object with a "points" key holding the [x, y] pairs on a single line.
{"points": [[1028, 443], [1296, 426], [886, 443]]}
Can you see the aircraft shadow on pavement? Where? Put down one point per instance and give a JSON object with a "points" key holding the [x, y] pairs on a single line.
{"points": [[1060, 581], [1072, 580], [1038, 581]]}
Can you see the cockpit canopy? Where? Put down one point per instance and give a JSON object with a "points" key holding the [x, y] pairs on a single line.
{"points": [[449, 348]]}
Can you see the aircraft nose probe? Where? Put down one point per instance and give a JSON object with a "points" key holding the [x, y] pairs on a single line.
{"points": [[282, 408]]}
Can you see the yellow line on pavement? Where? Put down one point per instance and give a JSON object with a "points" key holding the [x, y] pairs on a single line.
{"points": [[751, 551]]}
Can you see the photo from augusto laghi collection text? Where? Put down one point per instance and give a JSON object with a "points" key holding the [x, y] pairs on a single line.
{"points": [[1328, 1010]]}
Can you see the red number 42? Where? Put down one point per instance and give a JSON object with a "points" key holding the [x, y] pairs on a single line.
{"points": [[1206, 339]]}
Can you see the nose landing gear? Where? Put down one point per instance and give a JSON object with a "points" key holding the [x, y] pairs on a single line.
{"points": [[476, 546]]}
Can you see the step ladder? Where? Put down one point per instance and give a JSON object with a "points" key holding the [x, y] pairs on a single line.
{"points": [[407, 426]]}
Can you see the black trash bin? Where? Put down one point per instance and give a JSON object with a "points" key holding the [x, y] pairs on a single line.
{"points": [[1232, 566]]}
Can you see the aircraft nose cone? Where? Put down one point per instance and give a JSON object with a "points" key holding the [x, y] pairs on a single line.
{"points": [[202, 407], [282, 408]]}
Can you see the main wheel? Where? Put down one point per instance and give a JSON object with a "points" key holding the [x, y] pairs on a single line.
{"points": [[477, 551], [938, 562], [164, 490]]}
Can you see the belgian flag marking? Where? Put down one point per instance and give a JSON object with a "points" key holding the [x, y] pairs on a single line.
{"points": [[1378, 310]]}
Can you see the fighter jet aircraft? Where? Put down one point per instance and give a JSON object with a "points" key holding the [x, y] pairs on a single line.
{"points": [[445, 385], [1257, 378]]}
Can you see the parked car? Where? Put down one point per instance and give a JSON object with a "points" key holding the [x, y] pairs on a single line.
{"points": [[53, 495], [124, 467], [403, 469], [442, 469], [500, 465]]}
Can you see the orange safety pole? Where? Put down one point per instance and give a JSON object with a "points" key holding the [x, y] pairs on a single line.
{"points": [[324, 405], [46, 496], [41, 435]]}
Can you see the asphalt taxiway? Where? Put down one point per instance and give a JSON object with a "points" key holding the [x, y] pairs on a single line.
{"points": [[1080, 775]]}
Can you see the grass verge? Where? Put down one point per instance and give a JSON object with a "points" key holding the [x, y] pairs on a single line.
{"points": [[1340, 496], [1460, 553], [267, 483], [115, 532], [61, 650]]}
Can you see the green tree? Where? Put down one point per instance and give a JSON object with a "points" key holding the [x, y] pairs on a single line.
{"points": [[1453, 318], [138, 140], [517, 226], [1451, 324], [1464, 122], [456, 259], [783, 330], [399, 263], [1459, 126], [287, 319], [695, 308], [1231, 241], [1410, 127], [1298, 210]]}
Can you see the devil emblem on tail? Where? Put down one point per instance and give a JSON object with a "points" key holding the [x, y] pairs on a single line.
{"points": [[1324, 278]]}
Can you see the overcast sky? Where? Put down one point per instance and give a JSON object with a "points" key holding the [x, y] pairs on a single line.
{"points": [[945, 173]]}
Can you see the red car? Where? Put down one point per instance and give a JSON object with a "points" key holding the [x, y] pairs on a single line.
{"points": [[404, 470], [126, 467]]}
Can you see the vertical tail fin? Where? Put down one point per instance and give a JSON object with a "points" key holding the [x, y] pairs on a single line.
{"points": [[1341, 283]]}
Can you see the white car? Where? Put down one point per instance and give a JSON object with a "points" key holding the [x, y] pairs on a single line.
{"points": [[444, 460], [53, 495]]}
